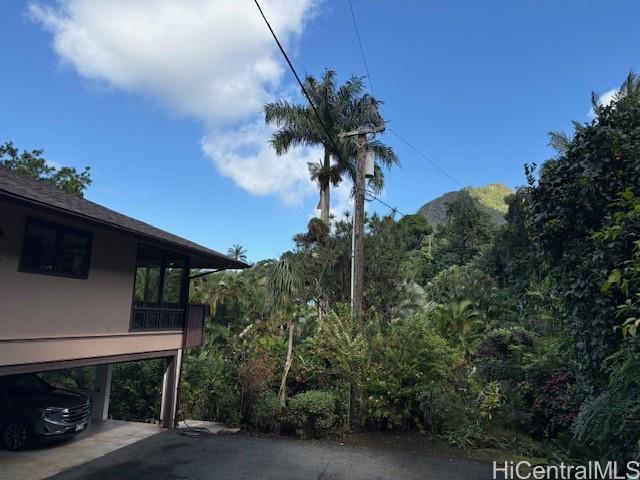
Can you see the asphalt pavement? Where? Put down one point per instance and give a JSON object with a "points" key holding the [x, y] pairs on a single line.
{"points": [[238, 457]]}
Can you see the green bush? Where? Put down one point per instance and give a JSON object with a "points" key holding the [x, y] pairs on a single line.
{"points": [[467, 435], [313, 413], [209, 388], [439, 406], [407, 357], [267, 412]]}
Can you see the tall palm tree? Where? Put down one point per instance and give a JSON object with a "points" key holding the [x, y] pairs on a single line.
{"points": [[237, 252], [340, 109]]}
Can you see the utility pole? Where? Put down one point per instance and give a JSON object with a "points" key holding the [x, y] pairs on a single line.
{"points": [[357, 246]]}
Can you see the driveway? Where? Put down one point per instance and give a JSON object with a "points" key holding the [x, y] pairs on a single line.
{"points": [[235, 457], [98, 440]]}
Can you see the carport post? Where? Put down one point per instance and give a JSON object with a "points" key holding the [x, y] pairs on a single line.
{"points": [[101, 393], [170, 391]]}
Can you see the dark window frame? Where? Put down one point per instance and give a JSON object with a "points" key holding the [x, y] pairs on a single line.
{"points": [[184, 291], [60, 230]]}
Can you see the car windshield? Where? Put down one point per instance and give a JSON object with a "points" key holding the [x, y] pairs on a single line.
{"points": [[25, 383]]}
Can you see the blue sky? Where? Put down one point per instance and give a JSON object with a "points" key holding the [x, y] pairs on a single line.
{"points": [[163, 99]]}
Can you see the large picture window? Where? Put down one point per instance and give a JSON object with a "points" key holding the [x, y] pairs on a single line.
{"points": [[54, 249], [160, 290]]}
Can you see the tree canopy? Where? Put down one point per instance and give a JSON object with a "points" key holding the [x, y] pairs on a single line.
{"points": [[34, 165], [341, 109]]}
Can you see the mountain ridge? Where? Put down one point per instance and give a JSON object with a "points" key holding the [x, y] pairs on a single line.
{"points": [[489, 199]]}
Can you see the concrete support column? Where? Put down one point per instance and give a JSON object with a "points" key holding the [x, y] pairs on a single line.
{"points": [[170, 391], [101, 393]]}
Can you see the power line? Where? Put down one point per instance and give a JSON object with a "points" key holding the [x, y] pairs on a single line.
{"points": [[393, 209], [295, 74], [424, 155], [366, 66], [364, 58], [306, 94]]}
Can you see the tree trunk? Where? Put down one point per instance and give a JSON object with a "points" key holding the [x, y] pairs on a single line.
{"points": [[282, 393], [325, 189], [325, 202]]}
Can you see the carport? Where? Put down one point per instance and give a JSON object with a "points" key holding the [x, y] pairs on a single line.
{"points": [[104, 435], [102, 385], [101, 438]]}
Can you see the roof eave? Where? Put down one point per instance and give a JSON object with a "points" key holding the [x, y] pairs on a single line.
{"points": [[206, 260]]}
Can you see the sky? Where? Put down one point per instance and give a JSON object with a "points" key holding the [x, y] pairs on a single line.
{"points": [[163, 99]]}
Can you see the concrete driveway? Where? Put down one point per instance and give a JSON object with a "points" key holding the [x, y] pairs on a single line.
{"points": [[46, 460], [230, 457]]}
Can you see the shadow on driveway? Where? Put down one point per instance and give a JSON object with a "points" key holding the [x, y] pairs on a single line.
{"points": [[171, 456]]}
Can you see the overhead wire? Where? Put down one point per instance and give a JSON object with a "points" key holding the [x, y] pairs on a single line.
{"points": [[295, 74], [393, 209], [402, 139], [308, 96], [364, 57]]}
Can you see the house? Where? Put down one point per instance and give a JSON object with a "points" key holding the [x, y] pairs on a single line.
{"points": [[82, 285]]}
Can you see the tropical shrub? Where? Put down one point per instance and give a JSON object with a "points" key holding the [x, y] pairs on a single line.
{"points": [[314, 414], [439, 407], [490, 400], [267, 412], [209, 388], [460, 322], [408, 356], [554, 406]]}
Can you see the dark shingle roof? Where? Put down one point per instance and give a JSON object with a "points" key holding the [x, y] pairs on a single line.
{"points": [[40, 194]]}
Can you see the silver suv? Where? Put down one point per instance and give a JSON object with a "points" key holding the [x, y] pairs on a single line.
{"points": [[32, 409]]}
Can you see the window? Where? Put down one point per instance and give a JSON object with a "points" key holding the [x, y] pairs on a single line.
{"points": [[55, 250], [159, 295]]}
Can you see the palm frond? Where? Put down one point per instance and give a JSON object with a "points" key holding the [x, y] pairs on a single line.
{"points": [[559, 141]]}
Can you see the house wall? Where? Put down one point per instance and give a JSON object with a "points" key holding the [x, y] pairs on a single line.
{"points": [[50, 318]]}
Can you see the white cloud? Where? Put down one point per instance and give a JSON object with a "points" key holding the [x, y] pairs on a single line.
{"points": [[605, 99], [244, 156], [213, 60]]}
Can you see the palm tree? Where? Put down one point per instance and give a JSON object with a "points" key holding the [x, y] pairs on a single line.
{"points": [[284, 286], [237, 252], [341, 109], [460, 321]]}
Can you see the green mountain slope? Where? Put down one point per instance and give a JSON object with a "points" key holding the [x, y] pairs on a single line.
{"points": [[490, 200]]}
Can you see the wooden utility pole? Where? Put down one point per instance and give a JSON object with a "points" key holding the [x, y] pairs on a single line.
{"points": [[357, 251]]}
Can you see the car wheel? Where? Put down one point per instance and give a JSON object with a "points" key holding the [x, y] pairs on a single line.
{"points": [[16, 435]]}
